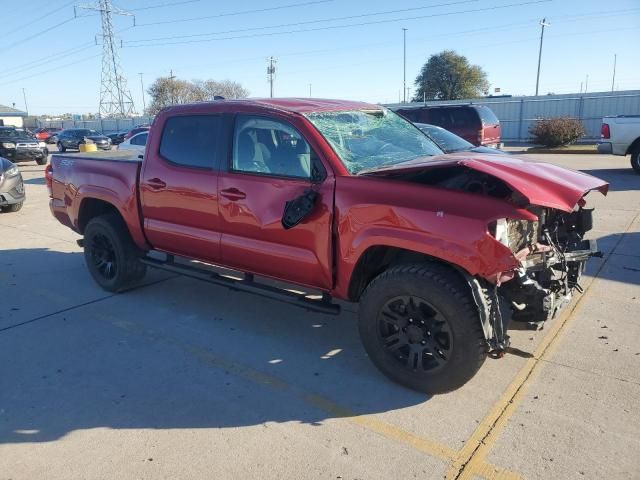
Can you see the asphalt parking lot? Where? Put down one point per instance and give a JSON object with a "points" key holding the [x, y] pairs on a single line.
{"points": [[181, 379]]}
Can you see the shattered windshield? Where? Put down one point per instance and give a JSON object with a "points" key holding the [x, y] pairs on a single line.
{"points": [[370, 139]]}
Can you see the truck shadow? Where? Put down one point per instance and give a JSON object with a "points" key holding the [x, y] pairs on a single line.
{"points": [[183, 354], [176, 353]]}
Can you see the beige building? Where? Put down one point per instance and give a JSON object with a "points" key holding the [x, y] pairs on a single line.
{"points": [[11, 116]]}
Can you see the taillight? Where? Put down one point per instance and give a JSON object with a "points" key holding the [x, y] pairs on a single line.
{"points": [[48, 177], [480, 136], [604, 131]]}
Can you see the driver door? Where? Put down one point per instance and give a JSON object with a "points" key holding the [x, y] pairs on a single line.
{"points": [[272, 163]]}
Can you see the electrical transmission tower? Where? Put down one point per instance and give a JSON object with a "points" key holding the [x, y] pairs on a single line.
{"points": [[115, 97]]}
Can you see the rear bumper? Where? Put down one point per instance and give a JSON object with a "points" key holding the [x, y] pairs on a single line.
{"points": [[605, 148], [59, 211]]}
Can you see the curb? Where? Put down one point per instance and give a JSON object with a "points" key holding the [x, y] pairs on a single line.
{"points": [[570, 151]]}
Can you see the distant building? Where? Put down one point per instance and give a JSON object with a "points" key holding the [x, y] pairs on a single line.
{"points": [[11, 116]]}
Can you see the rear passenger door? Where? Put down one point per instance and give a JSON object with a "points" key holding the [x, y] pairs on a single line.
{"points": [[178, 186]]}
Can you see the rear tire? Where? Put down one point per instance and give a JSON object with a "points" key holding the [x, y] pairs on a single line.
{"points": [[111, 256], [421, 328], [635, 160]]}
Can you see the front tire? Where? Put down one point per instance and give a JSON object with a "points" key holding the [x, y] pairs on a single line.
{"points": [[635, 160], [43, 160], [421, 328], [15, 207], [61, 148], [111, 255]]}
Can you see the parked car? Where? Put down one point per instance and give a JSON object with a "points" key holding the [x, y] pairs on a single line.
{"points": [[12, 194], [47, 134], [136, 130], [477, 124], [17, 145], [137, 142], [117, 138], [72, 138], [450, 142], [620, 135], [349, 199]]}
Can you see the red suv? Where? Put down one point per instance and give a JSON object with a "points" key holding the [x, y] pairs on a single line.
{"points": [[477, 124]]}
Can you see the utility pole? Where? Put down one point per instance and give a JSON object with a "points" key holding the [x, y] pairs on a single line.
{"points": [[309, 90], [144, 103], [115, 97], [24, 95], [586, 83], [271, 72], [543, 24], [172, 86], [404, 75], [613, 80]]}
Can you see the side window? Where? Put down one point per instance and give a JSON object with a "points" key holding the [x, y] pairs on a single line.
{"points": [[464, 117], [140, 139], [270, 147], [191, 140], [440, 117]]}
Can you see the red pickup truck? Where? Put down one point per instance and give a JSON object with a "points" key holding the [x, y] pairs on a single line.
{"points": [[350, 201]]}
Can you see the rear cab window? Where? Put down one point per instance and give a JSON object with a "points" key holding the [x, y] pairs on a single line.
{"points": [[191, 140], [464, 117]]}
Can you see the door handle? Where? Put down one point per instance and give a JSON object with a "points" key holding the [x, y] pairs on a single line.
{"points": [[156, 184], [233, 194]]}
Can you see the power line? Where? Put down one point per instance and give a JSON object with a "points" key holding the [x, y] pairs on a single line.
{"points": [[333, 27], [163, 5], [307, 22], [241, 12], [35, 20], [47, 60], [35, 35], [50, 70]]}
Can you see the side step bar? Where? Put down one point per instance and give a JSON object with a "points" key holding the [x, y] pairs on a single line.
{"points": [[246, 284]]}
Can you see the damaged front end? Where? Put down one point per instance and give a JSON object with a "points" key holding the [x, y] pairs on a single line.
{"points": [[543, 235], [552, 253]]}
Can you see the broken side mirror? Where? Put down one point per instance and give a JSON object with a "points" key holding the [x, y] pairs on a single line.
{"points": [[298, 209]]}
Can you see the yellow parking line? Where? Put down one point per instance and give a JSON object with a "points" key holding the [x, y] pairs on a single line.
{"points": [[471, 458]]}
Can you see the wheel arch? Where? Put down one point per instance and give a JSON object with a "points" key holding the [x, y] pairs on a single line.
{"points": [[378, 258], [93, 207], [635, 145]]}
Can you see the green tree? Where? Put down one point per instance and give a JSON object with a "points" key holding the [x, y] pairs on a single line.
{"points": [[449, 76]]}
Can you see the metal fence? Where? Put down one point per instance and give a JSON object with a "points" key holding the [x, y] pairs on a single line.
{"points": [[518, 114], [106, 126]]}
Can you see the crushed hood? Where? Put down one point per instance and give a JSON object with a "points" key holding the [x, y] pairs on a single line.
{"points": [[540, 183]]}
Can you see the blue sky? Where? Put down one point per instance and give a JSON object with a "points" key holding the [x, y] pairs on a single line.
{"points": [[52, 57]]}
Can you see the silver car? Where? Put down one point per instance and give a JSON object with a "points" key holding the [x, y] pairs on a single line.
{"points": [[12, 194]]}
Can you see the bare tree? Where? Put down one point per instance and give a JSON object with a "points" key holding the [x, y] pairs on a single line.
{"points": [[166, 91]]}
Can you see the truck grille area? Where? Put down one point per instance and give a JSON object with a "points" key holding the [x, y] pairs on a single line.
{"points": [[553, 265], [522, 233]]}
